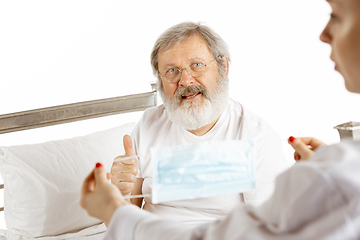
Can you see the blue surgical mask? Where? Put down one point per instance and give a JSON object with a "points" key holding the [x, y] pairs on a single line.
{"points": [[202, 170]]}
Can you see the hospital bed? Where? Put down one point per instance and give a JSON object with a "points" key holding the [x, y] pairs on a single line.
{"points": [[42, 181]]}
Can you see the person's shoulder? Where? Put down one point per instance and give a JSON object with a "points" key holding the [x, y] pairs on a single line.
{"points": [[151, 120], [153, 113], [248, 117]]}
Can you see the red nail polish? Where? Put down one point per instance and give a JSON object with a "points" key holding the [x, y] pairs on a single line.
{"points": [[291, 139], [98, 165]]}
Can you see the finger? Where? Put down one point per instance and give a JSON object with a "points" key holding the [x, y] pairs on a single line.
{"points": [[100, 174], [297, 156], [126, 160], [128, 146], [88, 183], [313, 142], [124, 187], [300, 147], [123, 168], [123, 177]]}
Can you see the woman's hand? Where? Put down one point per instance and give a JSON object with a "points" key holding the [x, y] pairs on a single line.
{"points": [[99, 197], [304, 147]]}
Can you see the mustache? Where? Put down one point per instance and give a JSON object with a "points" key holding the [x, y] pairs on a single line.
{"points": [[190, 90]]}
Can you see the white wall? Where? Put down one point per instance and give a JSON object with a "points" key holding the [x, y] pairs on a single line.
{"points": [[58, 52]]}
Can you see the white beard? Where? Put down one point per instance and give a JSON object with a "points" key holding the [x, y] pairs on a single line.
{"points": [[197, 114]]}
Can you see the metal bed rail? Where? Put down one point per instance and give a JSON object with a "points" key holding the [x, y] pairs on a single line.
{"points": [[75, 112], [55, 115]]}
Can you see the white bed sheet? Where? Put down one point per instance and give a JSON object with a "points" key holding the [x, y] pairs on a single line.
{"points": [[96, 232], [45, 207]]}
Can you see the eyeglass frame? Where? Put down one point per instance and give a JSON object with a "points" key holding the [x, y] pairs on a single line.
{"points": [[181, 71]]}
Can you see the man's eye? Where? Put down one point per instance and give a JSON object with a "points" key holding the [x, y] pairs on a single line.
{"points": [[196, 65], [172, 70]]}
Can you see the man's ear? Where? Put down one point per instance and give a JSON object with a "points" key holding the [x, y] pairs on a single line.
{"points": [[226, 64]]}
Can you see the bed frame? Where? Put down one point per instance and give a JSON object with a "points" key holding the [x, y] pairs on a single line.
{"points": [[75, 112], [105, 107]]}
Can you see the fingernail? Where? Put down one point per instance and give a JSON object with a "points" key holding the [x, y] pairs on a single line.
{"points": [[291, 139], [98, 164]]}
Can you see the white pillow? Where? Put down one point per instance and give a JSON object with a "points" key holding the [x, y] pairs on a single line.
{"points": [[43, 182]]}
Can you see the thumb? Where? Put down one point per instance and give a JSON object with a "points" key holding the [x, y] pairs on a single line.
{"points": [[100, 174], [128, 146]]}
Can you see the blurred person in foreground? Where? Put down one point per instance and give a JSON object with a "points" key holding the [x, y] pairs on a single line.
{"points": [[317, 198]]}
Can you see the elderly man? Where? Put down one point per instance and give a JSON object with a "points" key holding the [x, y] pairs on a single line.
{"points": [[192, 63]]}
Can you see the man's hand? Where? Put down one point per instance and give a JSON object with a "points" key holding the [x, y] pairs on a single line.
{"points": [[304, 147], [123, 173], [99, 197]]}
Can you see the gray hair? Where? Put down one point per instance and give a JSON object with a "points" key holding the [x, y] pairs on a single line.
{"points": [[181, 31]]}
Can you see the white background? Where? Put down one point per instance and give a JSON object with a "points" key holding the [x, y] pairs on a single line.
{"points": [[58, 52]]}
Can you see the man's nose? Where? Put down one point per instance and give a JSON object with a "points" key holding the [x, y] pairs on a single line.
{"points": [[186, 79]]}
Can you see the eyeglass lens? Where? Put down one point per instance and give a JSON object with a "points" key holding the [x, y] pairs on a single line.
{"points": [[173, 75]]}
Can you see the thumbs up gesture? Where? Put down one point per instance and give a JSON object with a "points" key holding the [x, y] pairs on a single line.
{"points": [[123, 172]]}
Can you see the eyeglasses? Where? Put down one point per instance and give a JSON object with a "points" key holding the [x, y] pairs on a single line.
{"points": [[195, 70]]}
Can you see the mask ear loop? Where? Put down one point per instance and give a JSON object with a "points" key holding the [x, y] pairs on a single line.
{"points": [[137, 196], [129, 158]]}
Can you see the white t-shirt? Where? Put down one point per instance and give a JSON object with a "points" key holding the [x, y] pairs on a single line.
{"points": [[155, 129], [316, 199]]}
